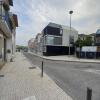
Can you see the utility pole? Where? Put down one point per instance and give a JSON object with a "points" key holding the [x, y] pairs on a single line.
{"points": [[70, 12]]}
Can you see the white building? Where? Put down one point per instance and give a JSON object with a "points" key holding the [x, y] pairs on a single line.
{"points": [[31, 45], [37, 43], [8, 24], [69, 36]]}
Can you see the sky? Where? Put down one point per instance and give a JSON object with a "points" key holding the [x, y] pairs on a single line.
{"points": [[34, 15]]}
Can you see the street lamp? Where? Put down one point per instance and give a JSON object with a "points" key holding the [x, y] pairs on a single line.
{"points": [[70, 12]]}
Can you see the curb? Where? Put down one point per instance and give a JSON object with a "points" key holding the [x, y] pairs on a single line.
{"points": [[63, 60]]}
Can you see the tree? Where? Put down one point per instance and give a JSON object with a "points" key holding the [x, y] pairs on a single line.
{"points": [[79, 43], [21, 47], [86, 42]]}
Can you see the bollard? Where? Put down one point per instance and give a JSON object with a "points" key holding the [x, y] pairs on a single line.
{"points": [[42, 70], [89, 94]]}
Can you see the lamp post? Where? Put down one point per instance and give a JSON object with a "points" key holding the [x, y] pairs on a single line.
{"points": [[70, 12]]}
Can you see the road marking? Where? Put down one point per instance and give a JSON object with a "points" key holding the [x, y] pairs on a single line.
{"points": [[30, 98], [93, 71]]}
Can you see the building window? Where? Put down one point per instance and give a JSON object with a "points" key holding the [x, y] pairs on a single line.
{"points": [[50, 40], [61, 31], [57, 40], [98, 40], [53, 40], [98, 31]]}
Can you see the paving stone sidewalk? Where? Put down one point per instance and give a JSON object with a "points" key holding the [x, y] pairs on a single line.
{"points": [[21, 83]]}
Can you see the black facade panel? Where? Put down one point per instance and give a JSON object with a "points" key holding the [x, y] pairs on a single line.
{"points": [[97, 35], [52, 31], [90, 55], [58, 50], [97, 44], [80, 54], [97, 54]]}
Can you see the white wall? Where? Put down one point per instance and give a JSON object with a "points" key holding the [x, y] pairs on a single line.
{"points": [[39, 37], [11, 44], [65, 38], [1, 49], [9, 47], [66, 34]]}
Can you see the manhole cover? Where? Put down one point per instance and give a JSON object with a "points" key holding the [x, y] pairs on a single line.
{"points": [[32, 67], [1, 75]]}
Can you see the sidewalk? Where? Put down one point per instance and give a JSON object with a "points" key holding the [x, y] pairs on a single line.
{"points": [[68, 58], [21, 83]]}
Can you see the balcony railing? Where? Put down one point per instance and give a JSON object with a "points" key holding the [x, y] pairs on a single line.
{"points": [[14, 19], [4, 16], [8, 21], [6, 4]]}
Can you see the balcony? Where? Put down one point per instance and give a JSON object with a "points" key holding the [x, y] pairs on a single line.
{"points": [[5, 21], [6, 25], [6, 4], [14, 20], [53, 40]]}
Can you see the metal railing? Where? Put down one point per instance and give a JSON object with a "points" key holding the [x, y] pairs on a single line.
{"points": [[4, 15]]}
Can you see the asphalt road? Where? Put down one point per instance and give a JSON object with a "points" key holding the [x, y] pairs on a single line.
{"points": [[72, 77]]}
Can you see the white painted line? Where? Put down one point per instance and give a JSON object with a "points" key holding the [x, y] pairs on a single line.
{"points": [[93, 71], [30, 98]]}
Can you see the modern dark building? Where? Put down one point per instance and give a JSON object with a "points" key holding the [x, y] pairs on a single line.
{"points": [[56, 39]]}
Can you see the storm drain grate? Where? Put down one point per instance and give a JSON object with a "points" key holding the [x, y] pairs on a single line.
{"points": [[32, 67], [1, 75]]}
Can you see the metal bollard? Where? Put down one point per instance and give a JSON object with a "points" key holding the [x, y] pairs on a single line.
{"points": [[42, 70], [89, 94]]}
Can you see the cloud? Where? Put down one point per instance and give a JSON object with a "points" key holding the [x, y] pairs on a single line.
{"points": [[34, 15]]}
